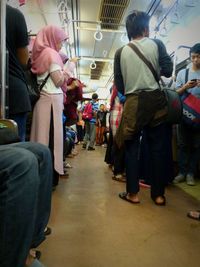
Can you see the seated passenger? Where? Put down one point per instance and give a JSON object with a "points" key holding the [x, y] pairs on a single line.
{"points": [[25, 201]]}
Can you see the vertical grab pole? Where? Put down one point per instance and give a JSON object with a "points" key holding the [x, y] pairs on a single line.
{"points": [[175, 59], [2, 58]]}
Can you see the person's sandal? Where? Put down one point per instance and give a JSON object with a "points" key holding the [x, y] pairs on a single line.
{"points": [[47, 231], [159, 203], [194, 214], [119, 178], [36, 254]]}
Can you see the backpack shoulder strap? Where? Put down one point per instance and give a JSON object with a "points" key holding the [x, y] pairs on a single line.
{"points": [[186, 75]]}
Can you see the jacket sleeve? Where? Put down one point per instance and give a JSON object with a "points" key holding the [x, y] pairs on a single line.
{"points": [[165, 62], [122, 98], [118, 79]]}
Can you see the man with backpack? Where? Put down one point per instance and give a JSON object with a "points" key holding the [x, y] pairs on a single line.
{"points": [[89, 116], [188, 85]]}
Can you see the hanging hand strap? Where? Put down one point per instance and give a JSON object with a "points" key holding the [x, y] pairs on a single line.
{"points": [[146, 61]]}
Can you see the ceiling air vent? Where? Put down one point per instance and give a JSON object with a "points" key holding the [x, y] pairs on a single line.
{"points": [[112, 12], [96, 73], [111, 15]]}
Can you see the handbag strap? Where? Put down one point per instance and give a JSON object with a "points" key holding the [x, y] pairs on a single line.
{"points": [[43, 82], [146, 61]]}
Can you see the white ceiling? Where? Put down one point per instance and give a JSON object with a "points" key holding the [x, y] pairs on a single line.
{"points": [[38, 13]]}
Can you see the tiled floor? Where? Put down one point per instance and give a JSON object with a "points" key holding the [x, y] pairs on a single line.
{"points": [[93, 227], [191, 190]]}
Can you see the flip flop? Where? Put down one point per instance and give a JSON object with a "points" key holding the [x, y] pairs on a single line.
{"points": [[47, 230], [163, 203], [119, 179], [192, 216], [123, 196]]}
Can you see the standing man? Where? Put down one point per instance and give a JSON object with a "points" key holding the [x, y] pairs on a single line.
{"points": [[188, 80], [144, 100], [90, 125], [16, 44]]}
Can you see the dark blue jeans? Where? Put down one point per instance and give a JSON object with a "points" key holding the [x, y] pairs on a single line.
{"points": [[188, 149], [25, 199], [20, 119], [155, 137]]}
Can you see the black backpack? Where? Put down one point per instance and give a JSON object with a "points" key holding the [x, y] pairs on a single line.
{"points": [[33, 87]]}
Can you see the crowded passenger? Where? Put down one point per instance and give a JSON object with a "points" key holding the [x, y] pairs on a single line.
{"points": [[118, 156], [90, 124], [100, 125], [141, 89], [188, 81], [17, 46], [47, 126]]}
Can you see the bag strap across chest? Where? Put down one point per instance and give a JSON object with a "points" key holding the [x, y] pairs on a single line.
{"points": [[145, 60]]}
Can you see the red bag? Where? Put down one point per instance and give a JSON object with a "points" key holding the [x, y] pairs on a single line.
{"points": [[87, 112], [191, 110], [191, 107]]}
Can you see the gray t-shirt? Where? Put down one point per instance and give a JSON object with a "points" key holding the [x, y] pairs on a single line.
{"points": [[132, 74]]}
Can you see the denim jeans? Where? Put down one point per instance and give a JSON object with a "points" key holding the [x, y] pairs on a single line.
{"points": [[155, 138], [90, 133], [25, 199], [20, 119], [188, 149]]}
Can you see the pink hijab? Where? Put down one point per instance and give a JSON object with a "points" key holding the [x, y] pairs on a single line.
{"points": [[64, 57], [45, 51]]}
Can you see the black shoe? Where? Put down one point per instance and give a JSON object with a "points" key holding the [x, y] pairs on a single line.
{"points": [[84, 146], [91, 148]]}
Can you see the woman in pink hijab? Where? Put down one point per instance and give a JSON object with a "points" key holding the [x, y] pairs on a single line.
{"points": [[47, 127]]}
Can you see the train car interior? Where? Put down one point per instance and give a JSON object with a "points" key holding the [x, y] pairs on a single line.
{"points": [[89, 224]]}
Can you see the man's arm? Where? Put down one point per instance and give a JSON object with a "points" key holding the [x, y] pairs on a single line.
{"points": [[21, 39], [165, 62], [23, 55], [118, 79]]}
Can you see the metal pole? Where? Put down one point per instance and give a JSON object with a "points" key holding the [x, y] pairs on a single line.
{"points": [[175, 58], [3, 58]]}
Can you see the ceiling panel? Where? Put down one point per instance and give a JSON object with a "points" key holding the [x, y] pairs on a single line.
{"points": [[38, 13]]}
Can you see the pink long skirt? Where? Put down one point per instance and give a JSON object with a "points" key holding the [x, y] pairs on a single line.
{"points": [[41, 125]]}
